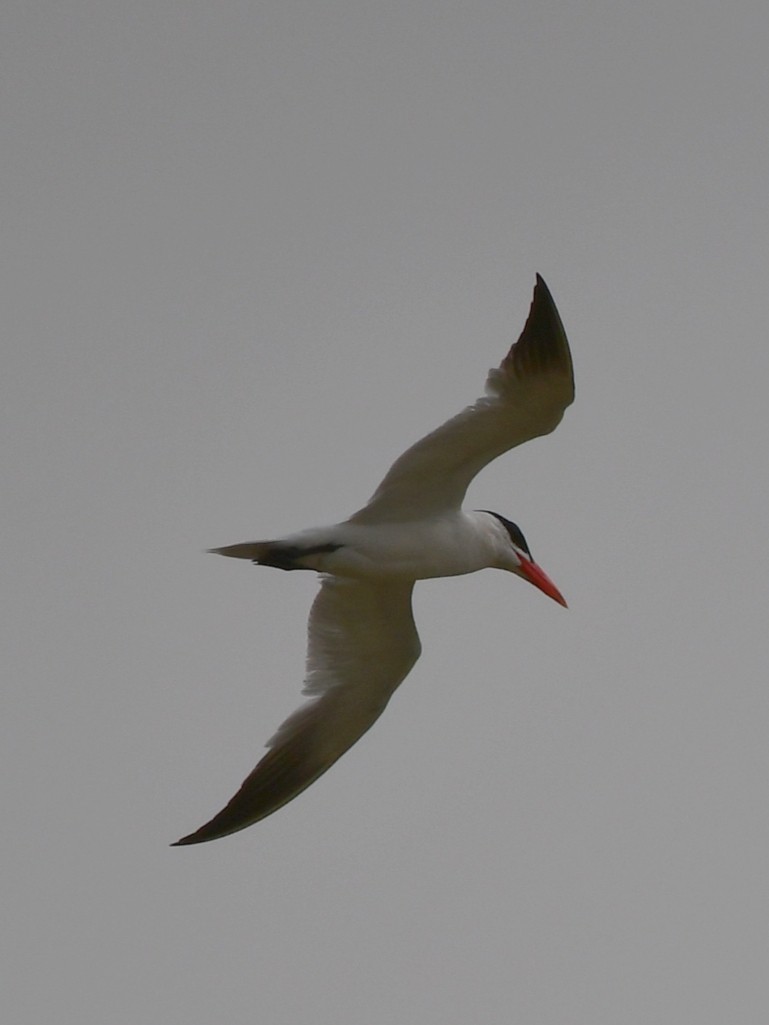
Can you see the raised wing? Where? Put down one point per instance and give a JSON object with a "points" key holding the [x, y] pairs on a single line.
{"points": [[525, 397], [362, 644]]}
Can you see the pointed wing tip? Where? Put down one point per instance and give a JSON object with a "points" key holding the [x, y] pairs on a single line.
{"points": [[543, 347], [543, 294], [203, 835], [236, 815], [197, 837]]}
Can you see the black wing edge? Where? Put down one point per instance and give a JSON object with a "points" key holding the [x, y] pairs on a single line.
{"points": [[542, 347], [278, 778]]}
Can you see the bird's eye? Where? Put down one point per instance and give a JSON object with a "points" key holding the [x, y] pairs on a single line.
{"points": [[515, 532], [516, 535]]}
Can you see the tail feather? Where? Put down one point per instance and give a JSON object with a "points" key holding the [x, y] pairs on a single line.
{"points": [[279, 554], [253, 550]]}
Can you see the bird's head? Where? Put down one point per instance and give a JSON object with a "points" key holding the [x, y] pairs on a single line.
{"points": [[518, 559]]}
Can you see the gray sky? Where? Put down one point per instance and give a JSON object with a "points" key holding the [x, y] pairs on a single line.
{"points": [[252, 251]]}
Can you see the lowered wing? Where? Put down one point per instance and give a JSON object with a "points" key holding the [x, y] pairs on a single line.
{"points": [[362, 644]]}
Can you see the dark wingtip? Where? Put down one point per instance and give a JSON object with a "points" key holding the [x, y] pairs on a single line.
{"points": [[203, 835], [281, 775], [222, 824], [187, 840], [543, 293], [542, 346]]}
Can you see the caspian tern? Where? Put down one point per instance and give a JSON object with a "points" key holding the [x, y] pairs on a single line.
{"points": [[362, 638]]}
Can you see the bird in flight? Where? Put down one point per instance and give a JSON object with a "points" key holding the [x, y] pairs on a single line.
{"points": [[362, 641]]}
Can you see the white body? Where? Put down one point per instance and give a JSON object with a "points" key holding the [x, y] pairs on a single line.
{"points": [[442, 546]]}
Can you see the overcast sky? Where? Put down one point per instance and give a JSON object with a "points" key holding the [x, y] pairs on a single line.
{"points": [[254, 250]]}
